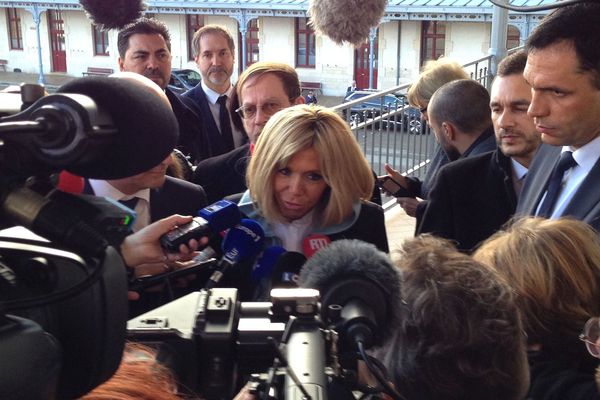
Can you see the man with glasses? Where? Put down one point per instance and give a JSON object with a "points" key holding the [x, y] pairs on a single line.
{"points": [[262, 90]]}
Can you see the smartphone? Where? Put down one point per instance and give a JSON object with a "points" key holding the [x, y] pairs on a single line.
{"points": [[394, 188]]}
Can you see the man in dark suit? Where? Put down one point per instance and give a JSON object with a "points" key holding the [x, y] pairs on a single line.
{"points": [[156, 195], [153, 196], [563, 69], [145, 48], [473, 197], [214, 51], [262, 89]]}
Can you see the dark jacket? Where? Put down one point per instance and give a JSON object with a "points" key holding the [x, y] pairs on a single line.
{"points": [[585, 203], [223, 175], [484, 143], [176, 196], [556, 379], [193, 137], [471, 199], [196, 99]]}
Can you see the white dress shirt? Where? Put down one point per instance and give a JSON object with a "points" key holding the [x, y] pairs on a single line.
{"points": [[142, 208]]}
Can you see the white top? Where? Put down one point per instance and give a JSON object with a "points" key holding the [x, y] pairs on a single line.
{"points": [[142, 208], [293, 233]]}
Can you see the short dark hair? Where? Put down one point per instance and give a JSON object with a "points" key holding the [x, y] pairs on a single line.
{"points": [[144, 26], [513, 64], [576, 24], [460, 334], [471, 114]]}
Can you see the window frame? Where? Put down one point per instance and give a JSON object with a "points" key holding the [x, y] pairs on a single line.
{"points": [[436, 37], [193, 22], [309, 37], [14, 28], [105, 41]]}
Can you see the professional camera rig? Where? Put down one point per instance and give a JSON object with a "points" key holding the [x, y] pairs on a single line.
{"points": [[215, 343]]}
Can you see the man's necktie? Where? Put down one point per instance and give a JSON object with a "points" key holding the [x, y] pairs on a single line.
{"points": [[225, 123], [565, 162], [131, 203]]}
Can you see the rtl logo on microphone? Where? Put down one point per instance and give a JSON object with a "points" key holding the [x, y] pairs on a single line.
{"points": [[314, 243]]}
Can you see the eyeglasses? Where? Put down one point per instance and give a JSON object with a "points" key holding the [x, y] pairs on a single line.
{"points": [[423, 110], [249, 111], [591, 336]]}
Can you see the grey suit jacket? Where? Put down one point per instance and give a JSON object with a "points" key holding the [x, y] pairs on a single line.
{"points": [[585, 204]]}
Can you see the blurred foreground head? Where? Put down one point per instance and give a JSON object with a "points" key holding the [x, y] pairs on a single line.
{"points": [[460, 334]]}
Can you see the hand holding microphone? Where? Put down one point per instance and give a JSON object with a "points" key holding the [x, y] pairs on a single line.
{"points": [[241, 243]]}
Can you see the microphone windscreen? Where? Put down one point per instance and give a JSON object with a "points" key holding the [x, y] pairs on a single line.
{"points": [[113, 14], [313, 243], [345, 20], [243, 241], [356, 262], [147, 128]]}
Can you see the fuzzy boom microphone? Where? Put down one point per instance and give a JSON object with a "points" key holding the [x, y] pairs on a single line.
{"points": [[345, 20], [113, 14]]}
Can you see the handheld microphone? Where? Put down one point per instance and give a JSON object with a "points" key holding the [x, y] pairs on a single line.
{"points": [[345, 20], [113, 14], [313, 243], [362, 284], [287, 270], [212, 219], [262, 271], [265, 264], [241, 243]]}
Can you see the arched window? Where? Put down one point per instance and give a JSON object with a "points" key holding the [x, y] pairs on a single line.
{"points": [[513, 37]]}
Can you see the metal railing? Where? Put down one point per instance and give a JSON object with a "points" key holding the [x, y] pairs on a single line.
{"points": [[391, 131]]}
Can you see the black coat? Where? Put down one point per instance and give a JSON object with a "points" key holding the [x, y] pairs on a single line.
{"points": [[176, 196], [585, 203], [471, 199], [193, 137], [196, 100], [223, 175], [553, 378]]}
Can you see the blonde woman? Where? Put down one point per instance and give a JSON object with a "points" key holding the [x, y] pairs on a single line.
{"points": [[554, 268], [307, 175]]}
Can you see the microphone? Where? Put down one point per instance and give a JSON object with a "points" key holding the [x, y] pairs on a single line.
{"points": [[287, 269], [212, 219], [345, 20], [262, 271], [313, 243], [241, 243], [263, 267], [361, 284], [146, 128], [113, 14], [95, 127]]}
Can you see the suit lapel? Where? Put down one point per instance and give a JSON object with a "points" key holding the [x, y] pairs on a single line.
{"points": [[537, 178], [586, 198]]}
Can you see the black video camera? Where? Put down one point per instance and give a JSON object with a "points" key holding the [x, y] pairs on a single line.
{"points": [[214, 343]]}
